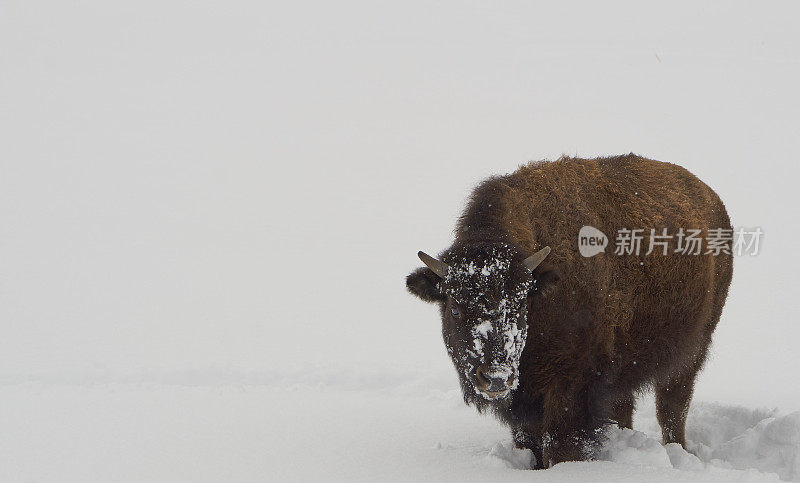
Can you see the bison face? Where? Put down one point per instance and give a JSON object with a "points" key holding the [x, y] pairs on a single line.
{"points": [[484, 293]]}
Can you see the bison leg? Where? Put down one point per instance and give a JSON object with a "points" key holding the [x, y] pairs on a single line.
{"points": [[570, 430], [623, 412], [672, 405], [532, 440]]}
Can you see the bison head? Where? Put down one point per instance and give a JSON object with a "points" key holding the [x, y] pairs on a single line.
{"points": [[483, 291]]}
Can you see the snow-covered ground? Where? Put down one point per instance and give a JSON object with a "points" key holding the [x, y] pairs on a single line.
{"points": [[323, 424], [208, 209]]}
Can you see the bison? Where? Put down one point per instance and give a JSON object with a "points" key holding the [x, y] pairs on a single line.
{"points": [[558, 345]]}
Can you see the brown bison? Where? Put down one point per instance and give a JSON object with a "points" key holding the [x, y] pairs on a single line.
{"points": [[557, 344]]}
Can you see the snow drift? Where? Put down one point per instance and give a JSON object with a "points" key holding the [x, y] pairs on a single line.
{"points": [[331, 424]]}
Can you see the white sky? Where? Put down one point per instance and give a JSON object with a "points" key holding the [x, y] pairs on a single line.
{"points": [[194, 185]]}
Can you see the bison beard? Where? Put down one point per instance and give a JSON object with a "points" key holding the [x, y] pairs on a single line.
{"points": [[561, 350]]}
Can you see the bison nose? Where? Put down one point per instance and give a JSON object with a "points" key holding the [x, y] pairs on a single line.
{"points": [[493, 378]]}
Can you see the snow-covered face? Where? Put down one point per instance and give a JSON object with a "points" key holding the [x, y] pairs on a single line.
{"points": [[485, 318]]}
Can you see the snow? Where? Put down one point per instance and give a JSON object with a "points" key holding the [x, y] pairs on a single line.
{"points": [[333, 425], [482, 329], [631, 447], [772, 445]]}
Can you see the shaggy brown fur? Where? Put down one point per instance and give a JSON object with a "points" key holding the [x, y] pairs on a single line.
{"points": [[599, 329]]}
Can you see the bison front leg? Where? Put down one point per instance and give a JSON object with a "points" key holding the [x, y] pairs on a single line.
{"points": [[622, 412], [530, 438], [569, 431]]}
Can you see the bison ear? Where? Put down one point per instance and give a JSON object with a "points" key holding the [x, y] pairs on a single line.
{"points": [[423, 283], [545, 280]]}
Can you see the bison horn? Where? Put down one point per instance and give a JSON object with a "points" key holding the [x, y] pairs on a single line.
{"points": [[534, 260], [439, 268]]}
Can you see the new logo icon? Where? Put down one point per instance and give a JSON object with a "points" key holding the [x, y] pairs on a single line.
{"points": [[591, 241]]}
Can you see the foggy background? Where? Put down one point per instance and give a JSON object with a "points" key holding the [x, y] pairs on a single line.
{"points": [[214, 189]]}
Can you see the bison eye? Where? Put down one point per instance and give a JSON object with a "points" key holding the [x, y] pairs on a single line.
{"points": [[456, 313]]}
